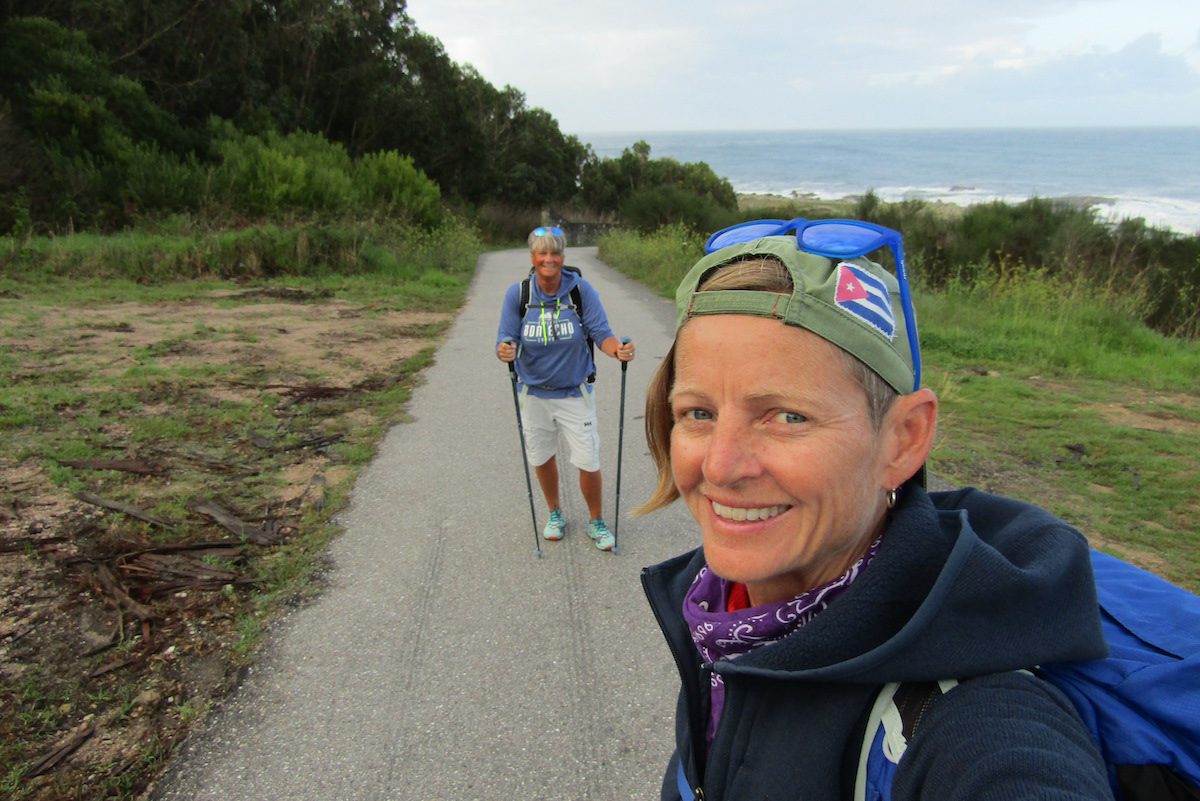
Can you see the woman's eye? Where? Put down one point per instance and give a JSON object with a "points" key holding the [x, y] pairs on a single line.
{"points": [[696, 414], [791, 418]]}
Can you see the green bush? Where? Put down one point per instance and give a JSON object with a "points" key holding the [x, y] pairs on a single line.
{"points": [[652, 207], [159, 181], [392, 184]]}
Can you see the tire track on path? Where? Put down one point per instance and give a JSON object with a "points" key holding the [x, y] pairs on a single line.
{"points": [[402, 736]]}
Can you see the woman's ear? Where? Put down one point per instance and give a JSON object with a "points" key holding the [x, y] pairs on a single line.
{"points": [[908, 431]]}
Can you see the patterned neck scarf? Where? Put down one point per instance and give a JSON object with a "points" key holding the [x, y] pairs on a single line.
{"points": [[718, 634]]}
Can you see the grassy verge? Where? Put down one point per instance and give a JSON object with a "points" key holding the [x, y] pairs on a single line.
{"points": [[265, 392], [1053, 393]]}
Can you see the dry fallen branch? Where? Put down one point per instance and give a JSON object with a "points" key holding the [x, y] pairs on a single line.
{"points": [[314, 442], [125, 508], [118, 665], [229, 521], [21, 543], [75, 738], [175, 566], [136, 466]]}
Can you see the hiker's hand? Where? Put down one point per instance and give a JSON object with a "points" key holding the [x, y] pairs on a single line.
{"points": [[625, 351], [506, 351]]}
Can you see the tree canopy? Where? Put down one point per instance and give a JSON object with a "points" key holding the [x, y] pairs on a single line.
{"points": [[107, 107]]}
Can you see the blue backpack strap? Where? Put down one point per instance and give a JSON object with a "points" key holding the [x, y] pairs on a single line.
{"points": [[1142, 702], [681, 783], [897, 713]]}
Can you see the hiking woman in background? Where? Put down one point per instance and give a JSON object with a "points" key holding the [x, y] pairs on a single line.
{"points": [[551, 340], [789, 418]]}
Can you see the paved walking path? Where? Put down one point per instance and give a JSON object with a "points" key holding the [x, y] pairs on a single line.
{"points": [[446, 661]]}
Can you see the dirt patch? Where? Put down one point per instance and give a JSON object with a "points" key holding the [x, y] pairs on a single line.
{"points": [[1142, 409], [118, 632], [1156, 417]]}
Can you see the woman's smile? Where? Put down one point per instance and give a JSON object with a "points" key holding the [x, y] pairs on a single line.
{"points": [[740, 514]]}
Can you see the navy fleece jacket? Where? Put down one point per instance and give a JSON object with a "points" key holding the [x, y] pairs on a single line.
{"points": [[965, 585]]}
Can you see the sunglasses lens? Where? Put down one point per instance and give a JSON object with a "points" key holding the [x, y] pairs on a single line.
{"points": [[743, 232], [839, 239]]}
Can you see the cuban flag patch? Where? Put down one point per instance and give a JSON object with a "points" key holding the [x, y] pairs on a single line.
{"points": [[866, 297]]}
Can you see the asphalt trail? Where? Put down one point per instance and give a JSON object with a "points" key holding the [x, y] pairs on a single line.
{"points": [[446, 661]]}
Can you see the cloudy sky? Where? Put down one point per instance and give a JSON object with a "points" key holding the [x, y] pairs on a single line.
{"points": [[636, 65]]}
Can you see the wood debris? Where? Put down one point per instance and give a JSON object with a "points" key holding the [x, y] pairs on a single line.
{"points": [[109, 586], [137, 466], [231, 522], [75, 738], [125, 508]]}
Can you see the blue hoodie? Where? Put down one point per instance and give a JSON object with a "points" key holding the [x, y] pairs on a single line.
{"points": [[553, 358]]}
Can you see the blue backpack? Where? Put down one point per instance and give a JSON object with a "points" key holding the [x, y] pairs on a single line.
{"points": [[1141, 703]]}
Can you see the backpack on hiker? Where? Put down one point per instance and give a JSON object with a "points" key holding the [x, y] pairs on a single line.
{"points": [[576, 303], [1141, 703]]}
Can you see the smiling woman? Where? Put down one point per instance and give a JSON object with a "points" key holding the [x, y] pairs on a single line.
{"points": [[789, 419], [548, 323]]}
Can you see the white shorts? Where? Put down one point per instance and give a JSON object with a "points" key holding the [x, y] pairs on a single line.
{"points": [[544, 418]]}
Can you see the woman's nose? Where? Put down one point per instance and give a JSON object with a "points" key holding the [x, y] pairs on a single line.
{"points": [[731, 454]]}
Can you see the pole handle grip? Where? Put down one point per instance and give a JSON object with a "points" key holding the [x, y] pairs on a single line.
{"points": [[512, 366]]}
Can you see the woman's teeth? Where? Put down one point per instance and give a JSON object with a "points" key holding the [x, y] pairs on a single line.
{"points": [[739, 514]]}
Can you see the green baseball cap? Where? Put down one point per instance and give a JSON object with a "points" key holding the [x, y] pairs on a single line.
{"points": [[850, 302]]}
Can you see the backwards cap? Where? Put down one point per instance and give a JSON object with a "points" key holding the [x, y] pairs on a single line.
{"points": [[852, 303]]}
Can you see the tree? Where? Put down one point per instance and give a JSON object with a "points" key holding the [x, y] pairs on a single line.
{"points": [[608, 184]]}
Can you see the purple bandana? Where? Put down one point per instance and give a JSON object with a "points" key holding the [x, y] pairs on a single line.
{"points": [[727, 635]]}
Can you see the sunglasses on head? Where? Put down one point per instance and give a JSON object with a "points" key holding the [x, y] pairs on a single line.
{"points": [[835, 239], [552, 230]]}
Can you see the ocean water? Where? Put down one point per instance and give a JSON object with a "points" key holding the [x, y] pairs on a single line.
{"points": [[1151, 173]]}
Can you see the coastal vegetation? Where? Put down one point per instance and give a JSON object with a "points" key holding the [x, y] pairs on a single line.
{"points": [[232, 234]]}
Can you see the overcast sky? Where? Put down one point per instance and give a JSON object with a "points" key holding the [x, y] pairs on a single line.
{"points": [[625, 65]]}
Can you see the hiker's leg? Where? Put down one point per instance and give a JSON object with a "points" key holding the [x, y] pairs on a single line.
{"points": [[547, 476], [590, 485], [579, 426], [541, 442]]}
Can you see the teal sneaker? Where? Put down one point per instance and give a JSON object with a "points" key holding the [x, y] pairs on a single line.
{"points": [[600, 534], [556, 526]]}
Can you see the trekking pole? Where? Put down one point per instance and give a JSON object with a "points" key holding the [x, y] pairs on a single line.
{"points": [[620, 446], [512, 375]]}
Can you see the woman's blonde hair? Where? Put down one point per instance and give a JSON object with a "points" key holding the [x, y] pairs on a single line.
{"points": [[547, 241], [758, 274]]}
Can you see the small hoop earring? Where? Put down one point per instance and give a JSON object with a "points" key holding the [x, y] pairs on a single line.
{"points": [[891, 498]]}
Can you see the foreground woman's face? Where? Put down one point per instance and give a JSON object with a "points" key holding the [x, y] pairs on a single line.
{"points": [[546, 263], [774, 453]]}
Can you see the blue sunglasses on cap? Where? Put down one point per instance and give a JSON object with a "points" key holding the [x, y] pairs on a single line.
{"points": [[552, 230], [835, 239]]}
